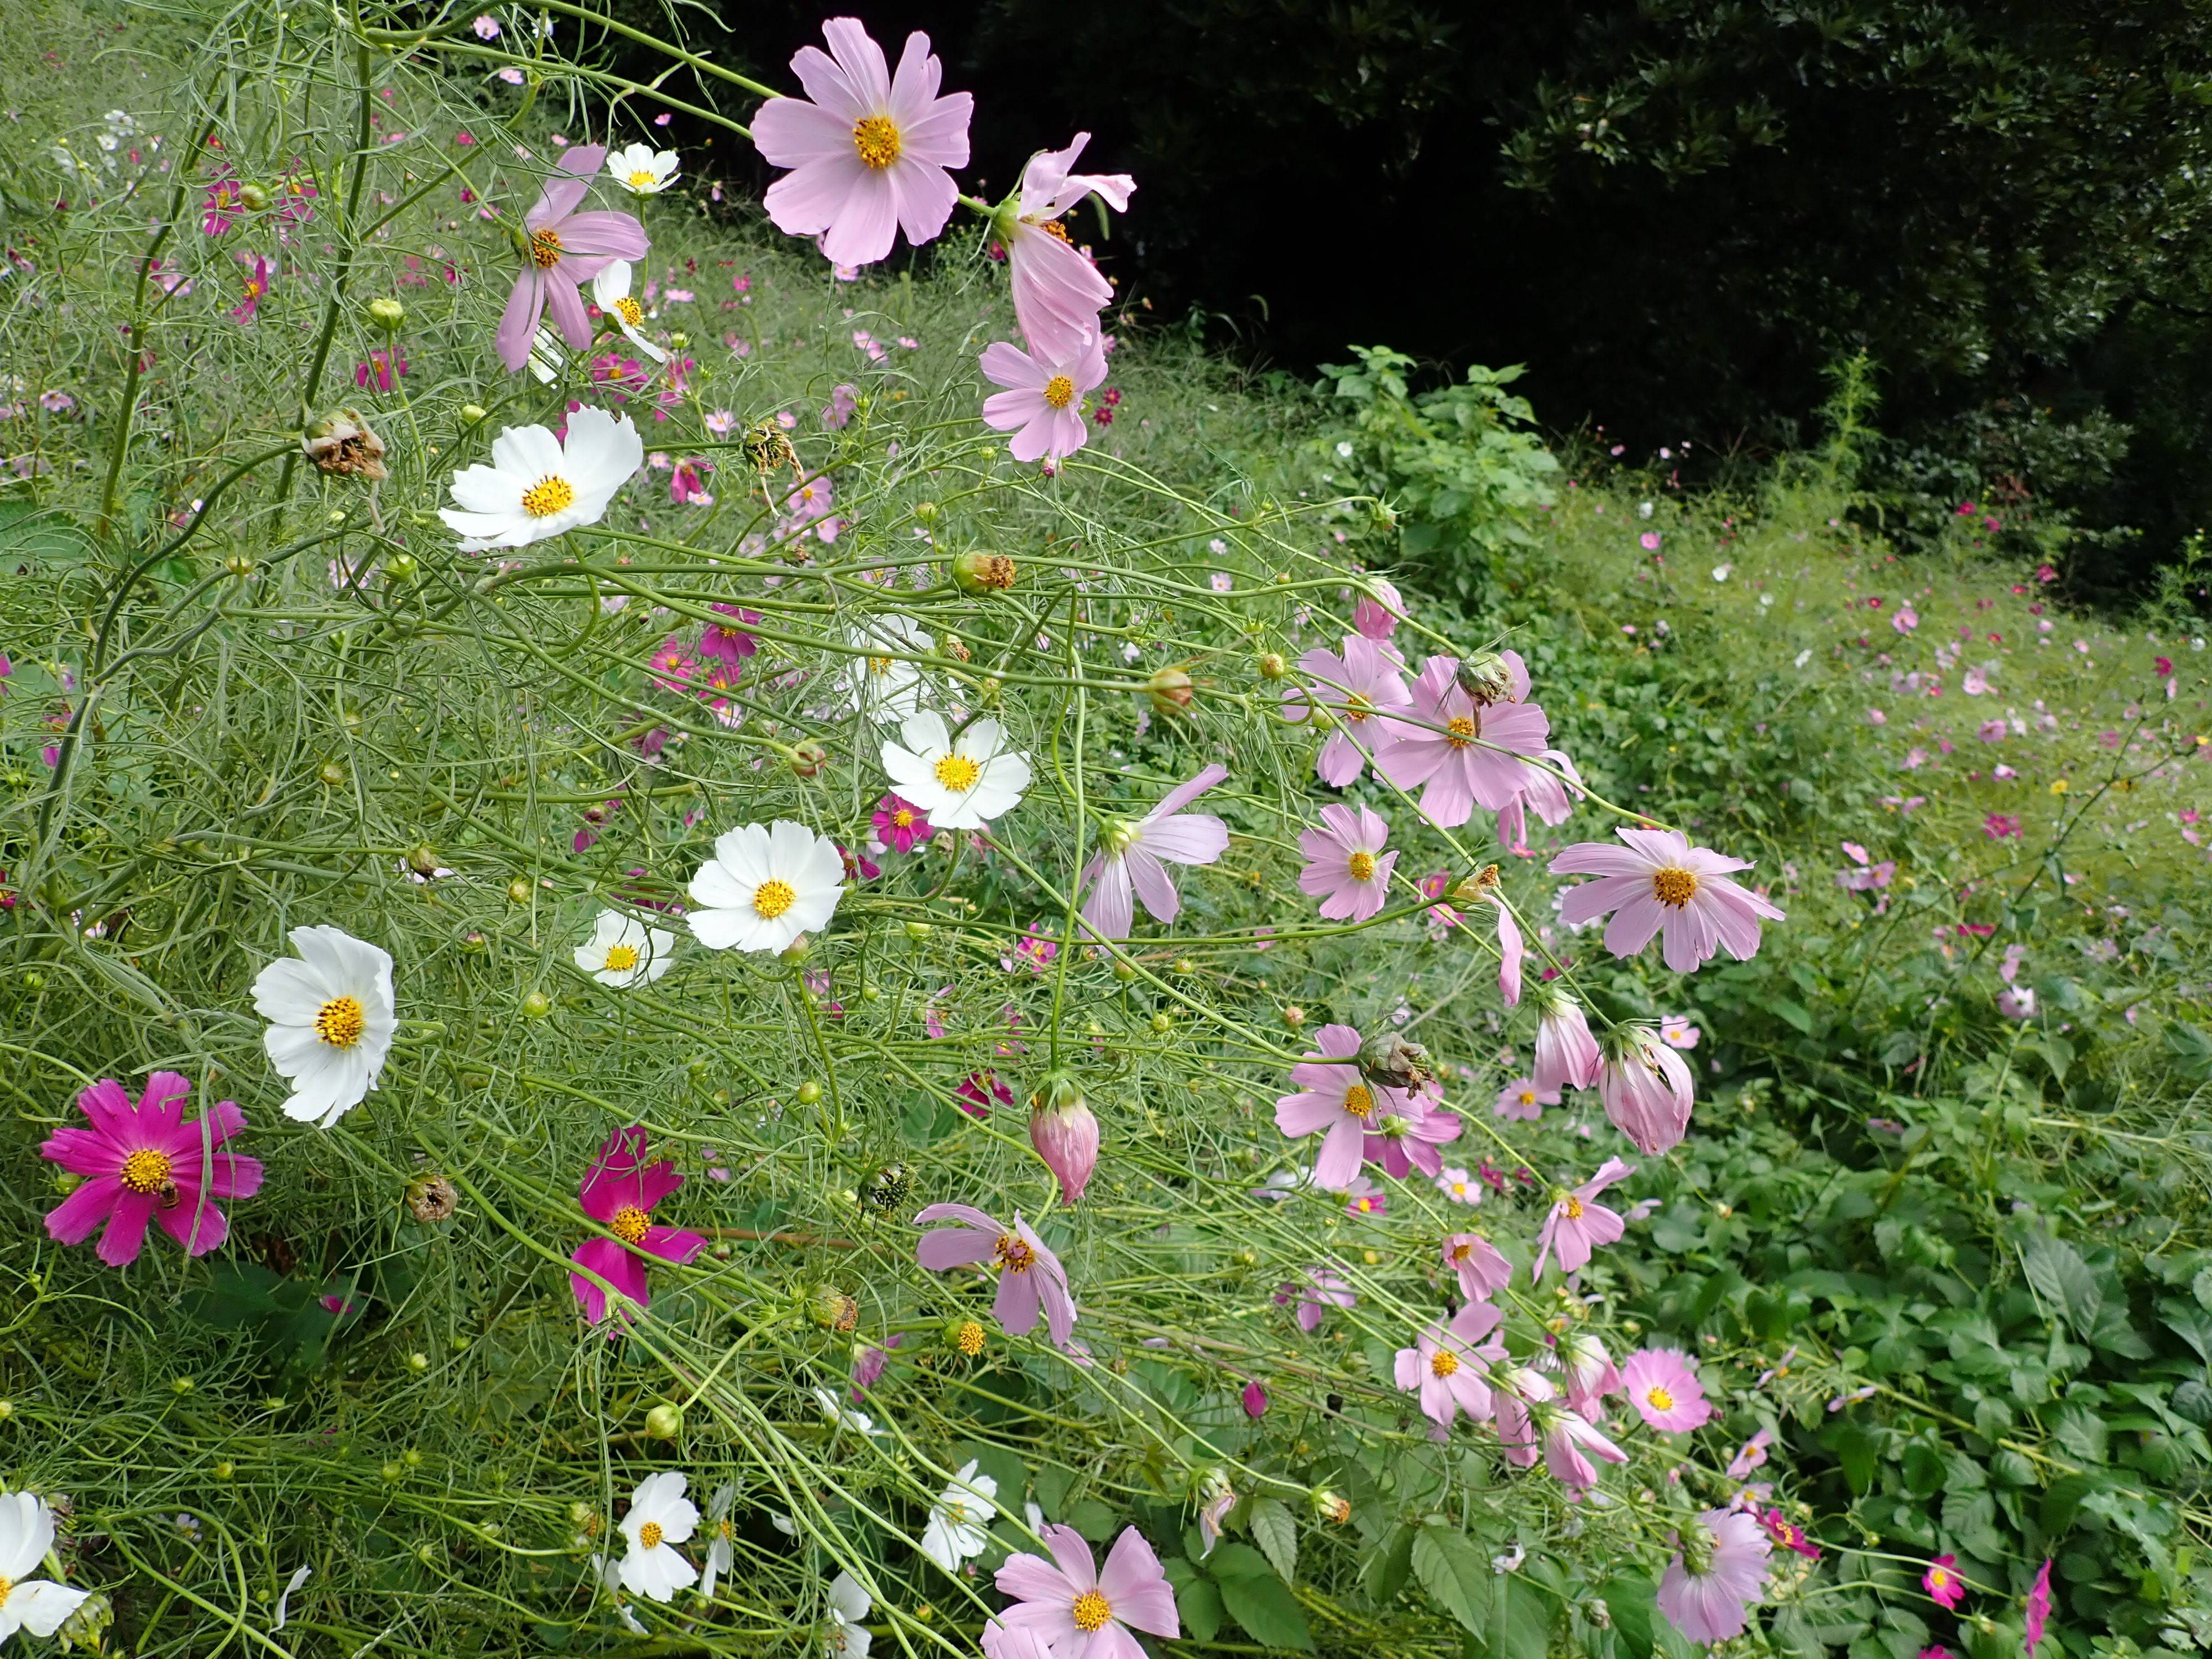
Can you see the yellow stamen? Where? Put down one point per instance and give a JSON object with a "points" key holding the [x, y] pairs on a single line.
{"points": [[1572, 1207], [143, 1171], [958, 773], [1461, 730], [1060, 391], [902, 818], [1659, 1398], [629, 1224], [1092, 1612], [1443, 1363], [620, 959], [339, 1022], [771, 898], [1674, 886], [632, 312], [877, 140], [1014, 1254], [641, 179], [970, 1341], [649, 1536], [1357, 1101], [550, 495], [545, 248], [1363, 866]]}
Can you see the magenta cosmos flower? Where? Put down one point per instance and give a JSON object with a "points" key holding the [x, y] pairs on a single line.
{"points": [[1030, 1277], [1716, 1576], [1942, 1583], [144, 1162], [1080, 1613], [1482, 1271], [1665, 1391], [1335, 1102], [1646, 1087], [868, 149], [1406, 1138], [1058, 292], [255, 288], [732, 645], [1350, 873], [1658, 882], [619, 1192], [566, 247], [1449, 1366], [1043, 404], [900, 824], [1466, 754], [1131, 861], [1359, 688], [1578, 1224], [2038, 1608]]}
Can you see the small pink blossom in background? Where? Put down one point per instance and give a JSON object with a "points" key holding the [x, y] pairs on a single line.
{"points": [[1361, 1205], [1915, 758], [720, 422], [1665, 1390], [866, 341], [382, 369], [1440, 919], [1868, 875], [1033, 950], [1676, 1031], [141, 1163], [332, 1303], [1788, 1535], [1325, 1288], [844, 398], [1449, 1363], [1043, 404], [2016, 1002], [2002, 772], [1904, 619], [56, 403], [1221, 582], [1713, 1606], [1750, 1455], [900, 824], [1943, 1583], [687, 482], [1523, 1100], [1976, 683], [486, 26], [1576, 1223], [2001, 826], [257, 289], [978, 1089], [859, 867], [619, 1191], [1658, 882], [1648, 541], [1360, 688], [2039, 1604], [1991, 731], [1875, 717], [1457, 1185], [1131, 866], [1350, 872]]}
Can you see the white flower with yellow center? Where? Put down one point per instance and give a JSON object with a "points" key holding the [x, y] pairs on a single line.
{"points": [[331, 1016], [881, 683], [539, 486], [957, 1521], [623, 951], [766, 885], [847, 1636], [643, 170], [722, 1534], [660, 1516], [960, 783], [26, 1533], [610, 293]]}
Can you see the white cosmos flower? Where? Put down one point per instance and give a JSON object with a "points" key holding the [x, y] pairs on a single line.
{"points": [[961, 785], [609, 1573], [848, 1637], [27, 1533], [643, 170], [766, 885], [624, 950], [331, 1016], [955, 1533], [536, 486], [880, 685], [660, 1516], [844, 1417], [610, 293], [722, 1555]]}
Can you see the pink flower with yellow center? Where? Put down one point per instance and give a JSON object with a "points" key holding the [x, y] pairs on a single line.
{"points": [[1359, 689], [1658, 883], [143, 1162], [1578, 1224], [1350, 872], [1335, 1102], [1449, 1366], [1665, 1391], [1078, 1611], [1030, 1279], [619, 1192], [563, 248], [1460, 753]]}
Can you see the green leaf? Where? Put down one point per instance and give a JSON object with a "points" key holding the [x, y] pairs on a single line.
{"points": [[1198, 1603], [1631, 1602], [1256, 1598], [1094, 1520], [1387, 1568], [926, 1122], [1277, 1536], [1452, 1570], [1795, 1012], [1521, 1620], [2063, 1280]]}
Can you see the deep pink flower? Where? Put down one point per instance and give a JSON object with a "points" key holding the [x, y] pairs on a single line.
{"points": [[858, 866], [687, 482], [1325, 1288], [1943, 1583], [1350, 873], [382, 369], [1080, 1613], [1716, 1576], [255, 289], [566, 248], [143, 1163], [2001, 826], [1364, 1201], [1481, 1269], [1658, 880], [1130, 861], [1376, 616], [1665, 1391], [1646, 1087], [1523, 1100], [899, 824], [1359, 688], [2038, 1607], [1337, 1103], [1466, 754], [1058, 292], [1043, 404], [1568, 1437], [619, 1191], [673, 666], [1033, 950], [980, 1088], [1439, 918], [1449, 1366], [1256, 1402], [223, 206], [1578, 1223], [1405, 1137], [1788, 1535], [732, 645], [1030, 1277], [869, 150], [1567, 1055]]}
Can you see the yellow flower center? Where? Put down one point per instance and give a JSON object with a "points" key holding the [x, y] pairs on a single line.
{"points": [[1461, 1252], [1461, 730], [1528, 1096], [339, 1022], [1674, 886], [252, 288], [632, 312], [958, 773], [545, 248], [649, 1536], [1659, 1398], [1367, 1206], [902, 818], [1363, 866], [1092, 1612], [642, 178], [771, 898], [1060, 391], [550, 495], [629, 1224], [1459, 1190], [620, 959], [1572, 1207], [1356, 708], [1357, 1101], [877, 140], [969, 1339], [1939, 1579], [1443, 1363], [6, 1585], [1014, 1253], [143, 1171]]}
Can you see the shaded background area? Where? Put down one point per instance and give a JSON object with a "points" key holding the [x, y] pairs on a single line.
{"points": [[1679, 215]]}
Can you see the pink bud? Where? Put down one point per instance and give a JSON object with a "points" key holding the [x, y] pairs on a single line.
{"points": [[1566, 1052], [1647, 1089], [1065, 1133], [1256, 1402]]}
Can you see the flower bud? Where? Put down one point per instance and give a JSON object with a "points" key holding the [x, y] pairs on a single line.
{"points": [[536, 1006], [1271, 666], [664, 1421], [1329, 1506], [387, 314], [927, 511], [1124, 970], [432, 1198], [87, 1625], [224, 1470], [1294, 1017], [517, 891], [977, 571], [1162, 1023], [253, 198], [1065, 1133], [1390, 1060], [418, 1363], [832, 1309], [342, 446], [422, 859], [809, 1092], [1169, 689], [473, 413], [401, 567], [239, 564], [1646, 1088], [1485, 678], [807, 759], [918, 931]]}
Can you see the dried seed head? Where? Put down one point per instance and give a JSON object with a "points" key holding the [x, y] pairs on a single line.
{"points": [[975, 572], [342, 446], [432, 1198]]}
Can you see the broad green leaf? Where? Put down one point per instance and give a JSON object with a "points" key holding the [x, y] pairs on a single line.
{"points": [[1452, 1570], [1277, 1534], [1256, 1598]]}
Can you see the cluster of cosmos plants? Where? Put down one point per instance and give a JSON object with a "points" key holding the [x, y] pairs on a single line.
{"points": [[979, 749]]}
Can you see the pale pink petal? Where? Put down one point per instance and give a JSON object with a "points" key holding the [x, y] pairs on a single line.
{"points": [[1634, 923], [1155, 888], [790, 132]]}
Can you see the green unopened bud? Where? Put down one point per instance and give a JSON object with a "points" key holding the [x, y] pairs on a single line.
{"points": [[331, 774], [517, 891], [809, 1092], [182, 1385], [1384, 515], [422, 859], [239, 564], [806, 759], [473, 413], [391, 1472], [918, 931], [1162, 1023], [1271, 666], [225, 1470], [253, 198], [536, 1006], [664, 1421], [926, 511], [1171, 690], [418, 1363], [401, 567], [386, 313], [977, 571], [1124, 970]]}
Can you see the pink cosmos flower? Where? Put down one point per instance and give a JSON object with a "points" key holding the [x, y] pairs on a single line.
{"points": [[1904, 619], [1665, 1391], [1030, 1277], [1552, 793], [224, 204], [1376, 616], [1466, 754], [732, 645], [1131, 859], [1033, 950], [1058, 292], [1449, 1367], [619, 1191], [1568, 1437], [1658, 880], [1750, 1455], [1869, 875], [673, 666], [1716, 1576], [1457, 1185], [256, 289], [1587, 1370], [566, 247], [1578, 1224], [1788, 1535], [1406, 1136], [2038, 1608], [869, 150], [1439, 918], [979, 1089], [1943, 1583], [1336, 1101], [1516, 1388], [1566, 1054], [1509, 951], [1521, 1100], [1482, 1271], [1646, 1087], [1676, 1031], [1359, 688], [1042, 404], [2001, 826], [1350, 873], [382, 369], [1325, 1288], [143, 1163], [900, 824], [687, 482], [1079, 1613]]}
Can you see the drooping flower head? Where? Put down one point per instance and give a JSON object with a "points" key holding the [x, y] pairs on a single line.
{"points": [[1360, 688], [331, 1017], [1080, 1613], [1571, 1440], [539, 486], [1578, 1223], [1406, 1138], [1131, 861], [1716, 1576], [660, 1517], [766, 885], [1336, 1101], [1350, 872], [1325, 1288], [963, 782], [1665, 1390], [1646, 1087], [619, 1192], [27, 1538], [1567, 1055], [564, 247], [1065, 1133], [1043, 400], [143, 1162], [869, 150], [1058, 292], [1460, 753], [1658, 883], [1481, 1270], [1588, 1371], [2038, 1608], [1030, 1278], [1376, 616], [1449, 1366]]}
